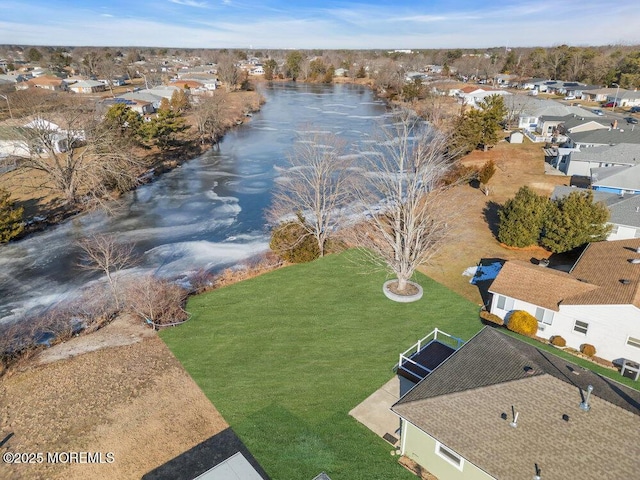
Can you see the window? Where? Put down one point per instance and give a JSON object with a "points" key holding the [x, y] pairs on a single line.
{"points": [[449, 455], [504, 303], [544, 316], [634, 342], [581, 327]]}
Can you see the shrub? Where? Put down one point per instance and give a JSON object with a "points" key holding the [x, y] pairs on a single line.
{"points": [[486, 172], [10, 217], [292, 242], [490, 317], [558, 341], [522, 322], [521, 218], [587, 349]]}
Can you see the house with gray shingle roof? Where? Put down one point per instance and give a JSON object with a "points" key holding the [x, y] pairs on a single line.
{"points": [[499, 408], [582, 160], [619, 179], [597, 302], [624, 211]]}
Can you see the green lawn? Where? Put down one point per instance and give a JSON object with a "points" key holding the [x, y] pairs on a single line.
{"points": [[285, 356]]}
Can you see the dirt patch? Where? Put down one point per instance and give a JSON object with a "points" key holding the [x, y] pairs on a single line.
{"points": [[118, 390]]}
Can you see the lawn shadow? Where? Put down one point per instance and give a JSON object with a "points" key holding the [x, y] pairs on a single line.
{"points": [[203, 457], [490, 213]]}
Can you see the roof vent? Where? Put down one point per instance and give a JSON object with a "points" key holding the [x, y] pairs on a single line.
{"points": [[638, 250], [625, 281], [584, 406], [635, 261], [538, 472], [565, 417], [515, 414]]}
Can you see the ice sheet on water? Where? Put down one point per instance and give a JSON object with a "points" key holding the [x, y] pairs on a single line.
{"points": [[177, 258]]}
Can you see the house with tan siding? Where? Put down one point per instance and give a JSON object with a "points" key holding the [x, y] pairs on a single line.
{"points": [[500, 408]]}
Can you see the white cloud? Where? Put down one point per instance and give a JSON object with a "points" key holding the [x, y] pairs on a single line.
{"points": [[190, 3]]}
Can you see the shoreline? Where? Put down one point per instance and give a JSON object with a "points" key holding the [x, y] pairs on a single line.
{"points": [[48, 216]]}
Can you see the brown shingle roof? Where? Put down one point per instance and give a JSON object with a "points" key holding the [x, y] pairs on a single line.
{"points": [[540, 286], [460, 404], [45, 80], [606, 264]]}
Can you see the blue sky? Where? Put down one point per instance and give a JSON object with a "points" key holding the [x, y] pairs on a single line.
{"points": [[356, 24]]}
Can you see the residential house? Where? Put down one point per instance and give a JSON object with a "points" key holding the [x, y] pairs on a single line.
{"points": [[532, 83], [340, 72], [46, 82], [87, 86], [141, 97], [580, 160], [257, 70], [141, 106], [624, 210], [504, 79], [187, 84], [624, 98], [620, 180], [473, 96], [597, 302], [500, 408]]}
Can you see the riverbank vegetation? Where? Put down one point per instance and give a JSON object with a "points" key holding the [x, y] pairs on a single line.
{"points": [[82, 157]]}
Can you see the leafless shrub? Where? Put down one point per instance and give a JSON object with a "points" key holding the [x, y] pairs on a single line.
{"points": [[253, 268], [21, 340], [157, 301]]}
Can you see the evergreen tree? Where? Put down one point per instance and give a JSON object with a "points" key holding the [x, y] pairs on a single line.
{"points": [[493, 113], [573, 221], [10, 217], [164, 128], [293, 64], [522, 218]]}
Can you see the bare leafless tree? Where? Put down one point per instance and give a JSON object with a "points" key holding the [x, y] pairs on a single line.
{"points": [[103, 253], [209, 114], [401, 193], [315, 188], [81, 157], [228, 72]]}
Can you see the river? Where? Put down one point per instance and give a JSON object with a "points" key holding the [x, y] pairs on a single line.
{"points": [[207, 214]]}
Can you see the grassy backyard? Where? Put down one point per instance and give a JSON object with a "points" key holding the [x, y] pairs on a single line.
{"points": [[285, 356]]}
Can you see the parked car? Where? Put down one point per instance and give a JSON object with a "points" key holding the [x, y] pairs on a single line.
{"points": [[635, 110], [610, 104], [631, 120], [598, 112], [570, 97]]}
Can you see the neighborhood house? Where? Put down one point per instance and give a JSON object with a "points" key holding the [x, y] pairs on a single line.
{"points": [[596, 303]]}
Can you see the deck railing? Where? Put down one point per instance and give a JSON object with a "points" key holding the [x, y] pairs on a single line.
{"points": [[435, 335]]}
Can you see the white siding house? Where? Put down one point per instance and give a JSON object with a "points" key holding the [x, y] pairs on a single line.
{"points": [[597, 303]]}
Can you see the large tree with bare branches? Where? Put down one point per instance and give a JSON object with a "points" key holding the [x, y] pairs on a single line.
{"points": [[81, 157], [401, 193], [314, 189]]}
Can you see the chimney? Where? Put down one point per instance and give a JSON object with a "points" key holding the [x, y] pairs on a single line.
{"points": [[584, 406]]}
